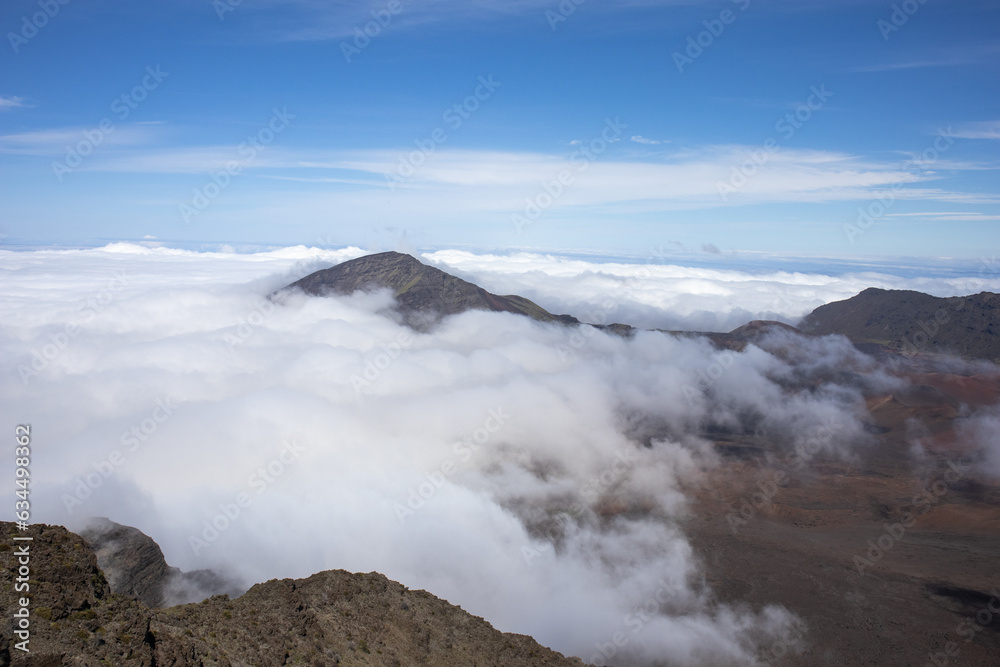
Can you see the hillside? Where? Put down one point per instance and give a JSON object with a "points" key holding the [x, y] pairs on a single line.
{"points": [[134, 565], [914, 322], [875, 320], [423, 293], [330, 618]]}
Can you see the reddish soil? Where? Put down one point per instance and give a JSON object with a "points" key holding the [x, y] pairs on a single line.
{"points": [[924, 596]]}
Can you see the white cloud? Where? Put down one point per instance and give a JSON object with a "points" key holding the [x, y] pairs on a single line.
{"points": [[956, 216], [7, 103], [497, 182], [962, 55], [322, 21], [242, 375], [658, 293], [983, 130], [639, 139], [54, 141], [982, 430]]}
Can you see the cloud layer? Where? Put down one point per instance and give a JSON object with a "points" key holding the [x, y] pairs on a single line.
{"points": [[537, 475], [657, 293]]}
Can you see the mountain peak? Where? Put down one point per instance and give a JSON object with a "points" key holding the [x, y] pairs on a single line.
{"points": [[423, 293], [910, 321]]}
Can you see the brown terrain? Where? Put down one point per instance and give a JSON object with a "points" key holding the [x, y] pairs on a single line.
{"points": [[914, 322], [890, 556], [423, 293], [330, 618], [828, 540]]}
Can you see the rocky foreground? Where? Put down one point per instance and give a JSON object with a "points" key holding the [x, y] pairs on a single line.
{"points": [[330, 618]]}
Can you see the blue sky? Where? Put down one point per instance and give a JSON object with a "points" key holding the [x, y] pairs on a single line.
{"points": [[604, 132]]}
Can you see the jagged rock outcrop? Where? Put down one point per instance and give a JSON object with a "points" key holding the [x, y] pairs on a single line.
{"points": [[75, 618], [330, 618], [134, 566]]}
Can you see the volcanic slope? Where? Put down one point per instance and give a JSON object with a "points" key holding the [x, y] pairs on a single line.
{"points": [[330, 618], [423, 293]]}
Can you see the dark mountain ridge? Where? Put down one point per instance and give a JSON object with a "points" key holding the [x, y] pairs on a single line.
{"points": [[876, 320], [423, 293], [331, 618], [914, 323]]}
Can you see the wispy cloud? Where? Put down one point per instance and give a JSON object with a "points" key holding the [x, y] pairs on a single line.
{"points": [[8, 103], [983, 130], [54, 141], [191, 160], [952, 58], [955, 216], [639, 139], [315, 20], [911, 64], [498, 181]]}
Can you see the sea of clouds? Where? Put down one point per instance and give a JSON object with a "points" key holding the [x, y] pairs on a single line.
{"points": [[537, 475], [658, 293]]}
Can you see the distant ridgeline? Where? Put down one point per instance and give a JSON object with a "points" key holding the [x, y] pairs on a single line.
{"points": [[894, 320], [914, 322]]}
